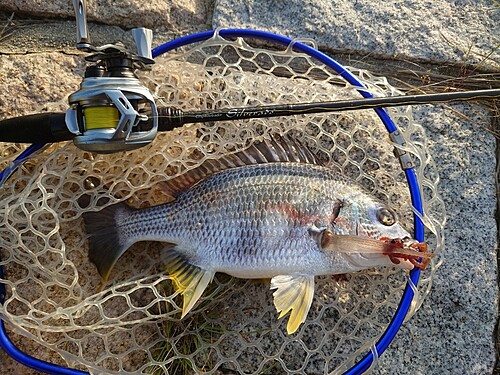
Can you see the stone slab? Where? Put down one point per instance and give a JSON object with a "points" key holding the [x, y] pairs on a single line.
{"points": [[453, 332], [176, 15], [31, 81], [441, 30], [27, 36]]}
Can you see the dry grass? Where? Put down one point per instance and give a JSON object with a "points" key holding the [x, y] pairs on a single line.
{"points": [[424, 77], [6, 28]]}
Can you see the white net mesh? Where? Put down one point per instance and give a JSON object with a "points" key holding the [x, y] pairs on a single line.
{"points": [[133, 325]]}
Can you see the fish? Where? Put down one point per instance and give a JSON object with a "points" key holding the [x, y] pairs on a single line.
{"points": [[271, 211]]}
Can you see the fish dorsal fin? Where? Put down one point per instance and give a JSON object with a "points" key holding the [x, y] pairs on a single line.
{"points": [[277, 149], [293, 293], [189, 280]]}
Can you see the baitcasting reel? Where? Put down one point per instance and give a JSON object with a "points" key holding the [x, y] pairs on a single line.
{"points": [[112, 111]]}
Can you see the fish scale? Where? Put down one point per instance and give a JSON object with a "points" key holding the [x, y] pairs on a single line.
{"points": [[232, 232], [261, 220]]}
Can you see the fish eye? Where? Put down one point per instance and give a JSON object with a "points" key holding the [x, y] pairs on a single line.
{"points": [[386, 216]]}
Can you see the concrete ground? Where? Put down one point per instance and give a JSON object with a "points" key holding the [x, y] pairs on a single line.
{"points": [[431, 45]]}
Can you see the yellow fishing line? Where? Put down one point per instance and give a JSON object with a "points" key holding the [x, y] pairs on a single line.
{"points": [[101, 117]]}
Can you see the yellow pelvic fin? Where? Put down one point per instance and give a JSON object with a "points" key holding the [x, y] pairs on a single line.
{"points": [[293, 293], [189, 280]]}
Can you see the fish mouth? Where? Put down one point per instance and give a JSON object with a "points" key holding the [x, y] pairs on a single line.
{"points": [[405, 252]]}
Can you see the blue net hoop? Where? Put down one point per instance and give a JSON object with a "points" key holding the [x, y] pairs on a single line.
{"points": [[404, 305]]}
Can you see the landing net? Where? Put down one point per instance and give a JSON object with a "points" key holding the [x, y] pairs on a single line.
{"points": [[133, 325]]}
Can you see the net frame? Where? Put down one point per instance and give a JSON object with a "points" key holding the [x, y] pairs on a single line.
{"points": [[404, 307], [411, 175]]}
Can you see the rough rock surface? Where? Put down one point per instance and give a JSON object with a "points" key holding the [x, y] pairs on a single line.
{"points": [[453, 331], [180, 16], [440, 30]]}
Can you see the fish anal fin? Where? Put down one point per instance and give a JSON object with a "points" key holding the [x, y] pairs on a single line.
{"points": [[294, 293], [189, 280]]}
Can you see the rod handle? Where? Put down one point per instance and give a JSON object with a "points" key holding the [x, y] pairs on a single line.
{"points": [[38, 128]]}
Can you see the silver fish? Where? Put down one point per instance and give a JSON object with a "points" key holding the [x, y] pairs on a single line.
{"points": [[267, 212]]}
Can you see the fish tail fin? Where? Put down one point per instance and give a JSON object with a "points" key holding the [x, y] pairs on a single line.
{"points": [[189, 280], [106, 243]]}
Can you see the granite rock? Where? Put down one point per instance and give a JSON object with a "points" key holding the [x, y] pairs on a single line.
{"points": [[176, 15], [453, 331], [442, 30]]}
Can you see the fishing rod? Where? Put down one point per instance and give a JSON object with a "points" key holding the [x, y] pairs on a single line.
{"points": [[170, 118], [53, 127], [113, 111]]}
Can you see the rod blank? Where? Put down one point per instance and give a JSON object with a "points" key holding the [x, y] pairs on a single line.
{"points": [[170, 118]]}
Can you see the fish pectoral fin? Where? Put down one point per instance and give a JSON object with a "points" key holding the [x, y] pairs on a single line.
{"points": [[293, 293], [189, 280]]}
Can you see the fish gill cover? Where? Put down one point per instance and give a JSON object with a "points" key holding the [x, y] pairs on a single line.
{"points": [[133, 323]]}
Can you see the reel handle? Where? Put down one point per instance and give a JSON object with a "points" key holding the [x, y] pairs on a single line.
{"points": [[82, 33], [143, 39]]}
